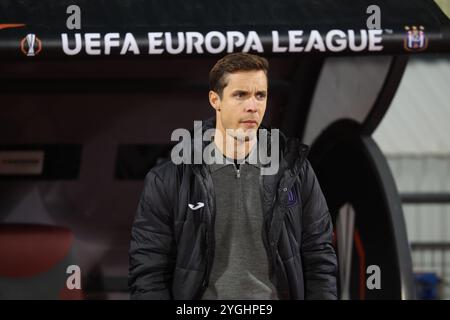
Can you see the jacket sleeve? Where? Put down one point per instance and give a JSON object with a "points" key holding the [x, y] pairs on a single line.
{"points": [[318, 255], [152, 250]]}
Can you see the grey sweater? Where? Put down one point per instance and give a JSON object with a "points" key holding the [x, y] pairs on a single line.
{"points": [[240, 269]]}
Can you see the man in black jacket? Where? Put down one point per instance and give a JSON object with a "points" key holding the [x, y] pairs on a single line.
{"points": [[224, 229]]}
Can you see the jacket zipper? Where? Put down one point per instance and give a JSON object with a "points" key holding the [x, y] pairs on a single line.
{"points": [[209, 235], [265, 232]]}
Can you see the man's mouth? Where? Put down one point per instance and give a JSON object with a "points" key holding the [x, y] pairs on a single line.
{"points": [[250, 124], [250, 121]]}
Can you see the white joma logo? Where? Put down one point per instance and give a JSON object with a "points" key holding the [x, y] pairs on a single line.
{"points": [[196, 207]]}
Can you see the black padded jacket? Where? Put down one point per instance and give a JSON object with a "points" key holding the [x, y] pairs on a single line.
{"points": [[172, 247]]}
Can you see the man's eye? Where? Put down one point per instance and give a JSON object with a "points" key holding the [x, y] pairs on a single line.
{"points": [[260, 96], [240, 94]]}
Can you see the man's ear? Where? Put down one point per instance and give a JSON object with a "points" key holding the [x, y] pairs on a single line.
{"points": [[214, 100]]}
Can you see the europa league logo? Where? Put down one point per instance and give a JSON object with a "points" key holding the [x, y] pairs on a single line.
{"points": [[31, 45]]}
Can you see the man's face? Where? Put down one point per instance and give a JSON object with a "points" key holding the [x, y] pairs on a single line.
{"points": [[243, 103]]}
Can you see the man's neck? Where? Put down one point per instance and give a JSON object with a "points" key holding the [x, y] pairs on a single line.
{"points": [[233, 148]]}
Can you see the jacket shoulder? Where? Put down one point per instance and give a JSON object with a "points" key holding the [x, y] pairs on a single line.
{"points": [[161, 179], [163, 170]]}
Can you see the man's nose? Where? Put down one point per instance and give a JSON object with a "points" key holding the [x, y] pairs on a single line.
{"points": [[251, 105]]}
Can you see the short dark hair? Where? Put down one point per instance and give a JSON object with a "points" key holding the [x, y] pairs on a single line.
{"points": [[231, 63]]}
